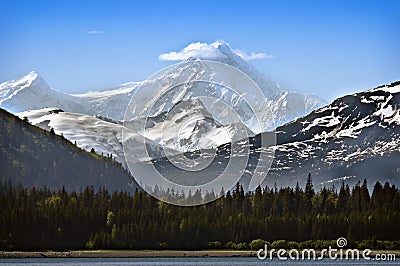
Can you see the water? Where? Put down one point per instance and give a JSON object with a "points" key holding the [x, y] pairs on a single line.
{"points": [[181, 262]]}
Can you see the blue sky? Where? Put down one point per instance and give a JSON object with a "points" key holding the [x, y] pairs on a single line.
{"points": [[327, 47]]}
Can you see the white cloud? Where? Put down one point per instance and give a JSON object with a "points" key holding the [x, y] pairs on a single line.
{"points": [[94, 32], [197, 49], [209, 51]]}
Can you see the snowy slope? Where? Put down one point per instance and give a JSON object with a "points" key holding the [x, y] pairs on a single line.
{"points": [[187, 127], [285, 105], [110, 103], [355, 137], [88, 132]]}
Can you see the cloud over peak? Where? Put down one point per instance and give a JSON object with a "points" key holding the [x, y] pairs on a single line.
{"points": [[209, 51]]}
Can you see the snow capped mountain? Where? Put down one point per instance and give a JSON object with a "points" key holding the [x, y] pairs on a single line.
{"points": [[285, 105], [221, 52], [31, 92]]}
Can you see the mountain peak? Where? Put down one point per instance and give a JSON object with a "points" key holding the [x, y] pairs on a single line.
{"points": [[26, 79], [222, 46], [33, 73], [30, 77], [28, 92]]}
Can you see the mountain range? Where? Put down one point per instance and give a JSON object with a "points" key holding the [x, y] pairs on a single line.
{"points": [[354, 137], [32, 93]]}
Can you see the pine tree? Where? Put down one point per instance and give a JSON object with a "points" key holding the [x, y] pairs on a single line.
{"points": [[309, 189]]}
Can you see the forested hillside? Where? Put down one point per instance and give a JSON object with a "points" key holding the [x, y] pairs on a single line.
{"points": [[35, 157]]}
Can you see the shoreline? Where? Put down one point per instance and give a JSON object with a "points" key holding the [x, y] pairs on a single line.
{"points": [[128, 254], [145, 254]]}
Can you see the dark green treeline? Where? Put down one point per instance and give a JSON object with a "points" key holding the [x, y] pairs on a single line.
{"points": [[43, 219]]}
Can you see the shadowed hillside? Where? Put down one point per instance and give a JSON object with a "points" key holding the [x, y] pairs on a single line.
{"points": [[35, 157]]}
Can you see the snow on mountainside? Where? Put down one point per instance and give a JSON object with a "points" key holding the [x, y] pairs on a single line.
{"points": [[110, 103], [355, 137], [88, 132], [187, 127]]}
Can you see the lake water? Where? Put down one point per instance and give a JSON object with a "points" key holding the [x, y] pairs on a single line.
{"points": [[180, 261]]}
